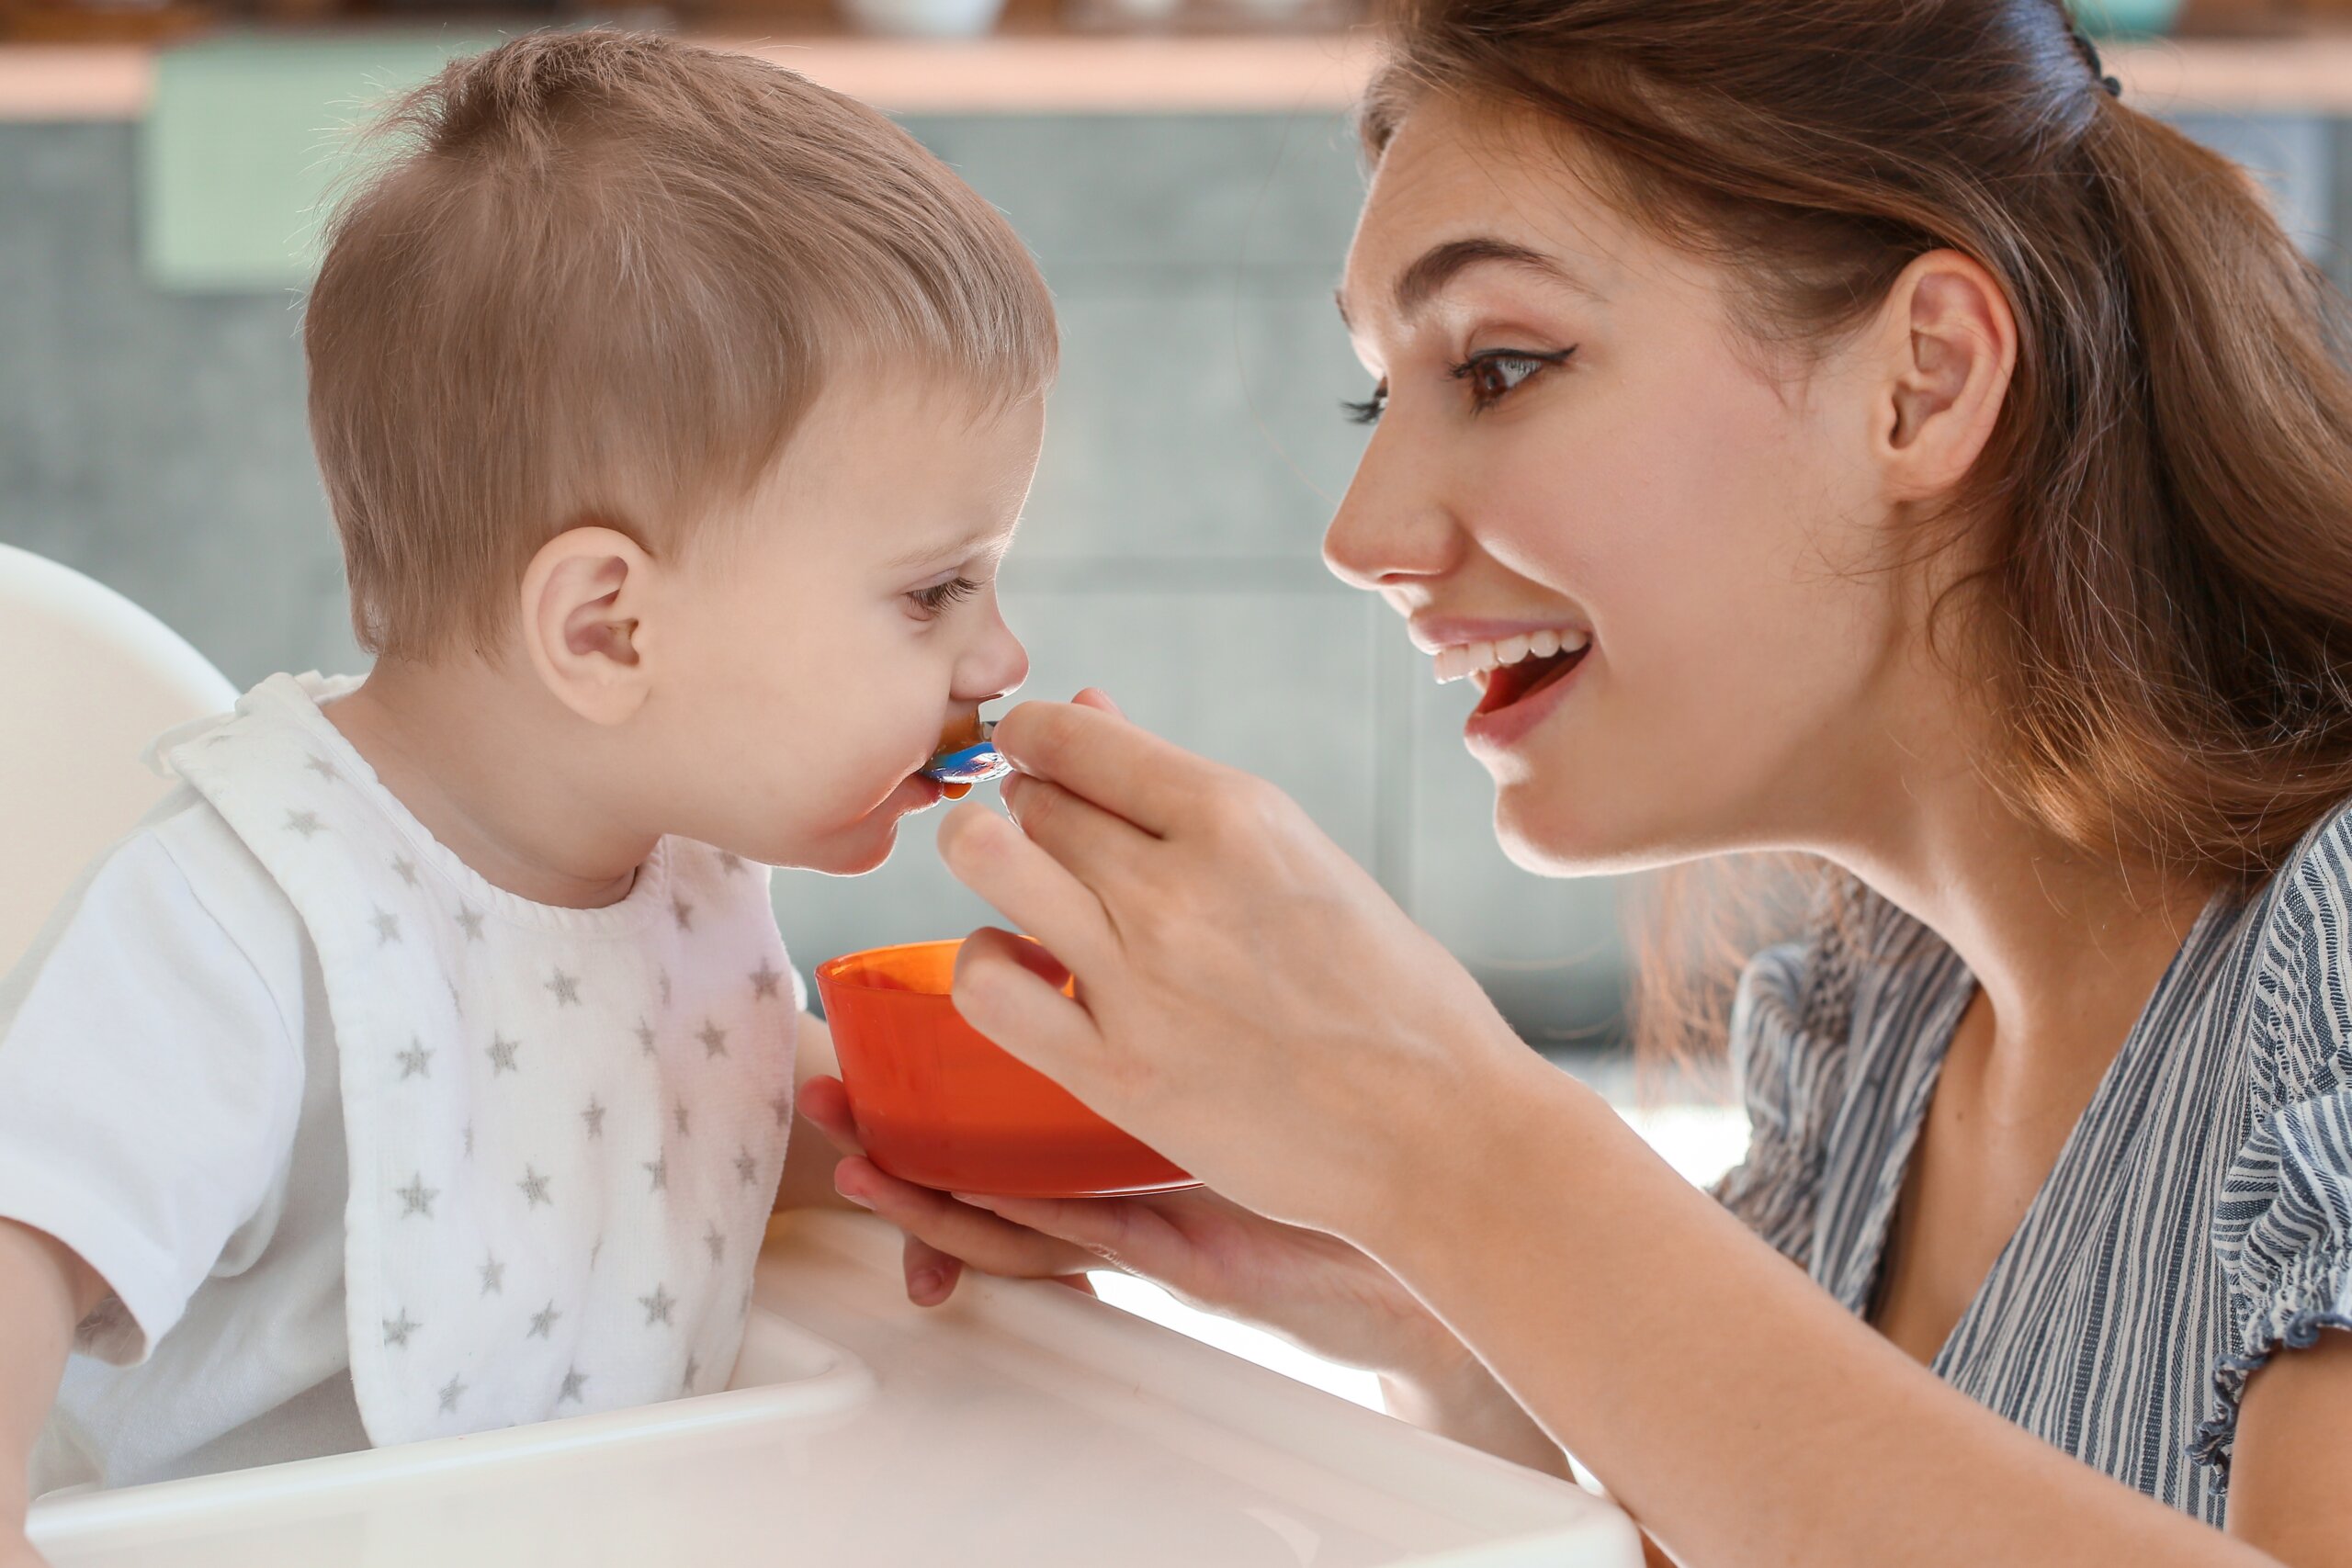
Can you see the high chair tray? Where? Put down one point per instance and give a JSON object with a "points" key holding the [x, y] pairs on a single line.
{"points": [[1023, 1425]]}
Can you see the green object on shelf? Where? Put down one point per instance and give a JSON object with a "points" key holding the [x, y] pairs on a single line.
{"points": [[244, 144], [2125, 19]]}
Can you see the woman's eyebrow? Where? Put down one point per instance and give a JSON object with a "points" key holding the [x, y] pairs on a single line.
{"points": [[1439, 265]]}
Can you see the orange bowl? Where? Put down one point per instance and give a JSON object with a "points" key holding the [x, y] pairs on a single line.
{"points": [[940, 1105]]}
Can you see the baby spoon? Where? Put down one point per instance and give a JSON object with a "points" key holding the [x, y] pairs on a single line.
{"points": [[960, 767]]}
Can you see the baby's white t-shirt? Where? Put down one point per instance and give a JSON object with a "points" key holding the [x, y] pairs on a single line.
{"points": [[172, 1108]]}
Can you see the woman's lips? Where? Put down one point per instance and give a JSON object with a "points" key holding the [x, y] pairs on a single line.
{"points": [[1517, 698]]}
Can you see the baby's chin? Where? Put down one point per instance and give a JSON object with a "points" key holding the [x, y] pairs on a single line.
{"points": [[863, 843]]}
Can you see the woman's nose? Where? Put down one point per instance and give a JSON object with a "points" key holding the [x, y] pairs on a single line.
{"points": [[996, 667], [1390, 527]]}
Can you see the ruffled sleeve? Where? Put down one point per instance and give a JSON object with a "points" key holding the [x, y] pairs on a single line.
{"points": [[1790, 1027], [2282, 1228]]}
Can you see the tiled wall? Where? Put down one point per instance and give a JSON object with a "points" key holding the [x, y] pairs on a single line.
{"points": [[155, 441]]}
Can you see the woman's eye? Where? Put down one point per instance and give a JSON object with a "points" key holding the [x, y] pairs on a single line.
{"points": [[939, 595], [1369, 410], [1494, 375]]}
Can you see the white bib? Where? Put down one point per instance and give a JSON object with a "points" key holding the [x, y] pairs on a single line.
{"points": [[565, 1125]]}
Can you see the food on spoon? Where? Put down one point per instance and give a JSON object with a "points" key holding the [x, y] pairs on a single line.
{"points": [[966, 757]]}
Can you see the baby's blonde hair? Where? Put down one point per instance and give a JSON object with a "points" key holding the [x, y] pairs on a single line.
{"points": [[602, 281]]}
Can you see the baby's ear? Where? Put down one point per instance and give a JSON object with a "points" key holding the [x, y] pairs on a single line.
{"points": [[580, 604]]}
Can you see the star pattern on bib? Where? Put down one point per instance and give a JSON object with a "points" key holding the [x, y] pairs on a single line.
{"points": [[416, 951], [416, 1198], [658, 1305]]}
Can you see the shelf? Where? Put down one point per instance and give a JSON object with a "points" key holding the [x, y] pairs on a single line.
{"points": [[1051, 74]]}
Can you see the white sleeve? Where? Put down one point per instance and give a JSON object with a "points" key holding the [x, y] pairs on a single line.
{"points": [[150, 1087]]}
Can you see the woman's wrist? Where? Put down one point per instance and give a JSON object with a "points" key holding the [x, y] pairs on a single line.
{"points": [[1459, 1152]]}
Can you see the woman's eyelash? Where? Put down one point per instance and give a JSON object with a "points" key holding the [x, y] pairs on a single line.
{"points": [[1498, 372], [1492, 376], [937, 597]]}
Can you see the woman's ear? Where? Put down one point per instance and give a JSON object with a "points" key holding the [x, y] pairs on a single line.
{"points": [[1951, 348], [583, 598]]}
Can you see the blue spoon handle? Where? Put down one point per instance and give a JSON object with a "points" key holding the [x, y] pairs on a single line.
{"points": [[970, 764]]}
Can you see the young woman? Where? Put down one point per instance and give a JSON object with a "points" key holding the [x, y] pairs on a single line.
{"points": [[1843, 428]]}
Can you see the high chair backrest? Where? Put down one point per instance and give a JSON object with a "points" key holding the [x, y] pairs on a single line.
{"points": [[86, 679]]}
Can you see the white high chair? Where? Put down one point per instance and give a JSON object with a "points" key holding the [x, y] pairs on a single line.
{"points": [[86, 679], [1027, 1425]]}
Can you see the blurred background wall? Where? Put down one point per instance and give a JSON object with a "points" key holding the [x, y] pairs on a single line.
{"points": [[152, 435]]}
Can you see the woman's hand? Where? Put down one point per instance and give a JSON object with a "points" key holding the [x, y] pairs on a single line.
{"points": [[1314, 1289], [1249, 1000]]}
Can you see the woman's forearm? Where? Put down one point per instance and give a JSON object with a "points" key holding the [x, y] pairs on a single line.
{"points": [[1729, 1403]]}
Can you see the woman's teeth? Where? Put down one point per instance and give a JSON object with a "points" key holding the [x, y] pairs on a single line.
{"points": [[1475, 660]]}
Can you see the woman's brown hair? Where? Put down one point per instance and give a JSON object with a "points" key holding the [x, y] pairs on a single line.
{"points": [[2163, 616]]}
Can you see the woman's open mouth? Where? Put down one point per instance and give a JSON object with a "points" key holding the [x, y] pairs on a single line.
{"points": [[1510, 670], [1508, 683], [1513, 674]]}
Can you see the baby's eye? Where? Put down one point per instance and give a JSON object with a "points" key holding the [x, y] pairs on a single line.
{"points": [[939, 595], [1369, 410], [1496, 373]]}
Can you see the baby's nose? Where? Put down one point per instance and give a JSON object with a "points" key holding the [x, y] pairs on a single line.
{"points": [[996, 669]]}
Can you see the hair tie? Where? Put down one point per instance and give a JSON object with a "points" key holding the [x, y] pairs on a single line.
{"points": [[2090, 52]]}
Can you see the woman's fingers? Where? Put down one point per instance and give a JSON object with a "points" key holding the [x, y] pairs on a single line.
{"points": [[1002, 992], [825, 1103], [996, 860], [955, 1232], [1096, 697], [1122, 768], [1117, 1231], [1077, 833], [931, 1273]]}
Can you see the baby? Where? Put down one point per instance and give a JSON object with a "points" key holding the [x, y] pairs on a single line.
{"points": [[424, 1063]]}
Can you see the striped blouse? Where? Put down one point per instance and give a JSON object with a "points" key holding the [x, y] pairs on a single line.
{"points": [[2198, 1217]]}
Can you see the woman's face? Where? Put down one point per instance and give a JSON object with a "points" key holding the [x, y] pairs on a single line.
{"points": [[1575, 449]]}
